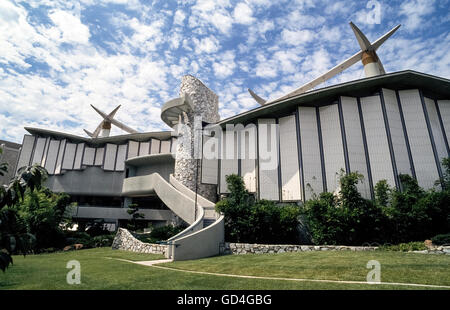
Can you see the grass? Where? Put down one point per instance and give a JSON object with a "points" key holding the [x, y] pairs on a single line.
{"points": [[48, 271]]}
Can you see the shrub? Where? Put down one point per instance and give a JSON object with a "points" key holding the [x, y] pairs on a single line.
{"points": [[263, 221], [441, 239], [159, 233], [345, 218], [103, 241]]}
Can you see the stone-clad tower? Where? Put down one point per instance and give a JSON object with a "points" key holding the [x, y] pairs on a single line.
{"points": [[205, 105]]}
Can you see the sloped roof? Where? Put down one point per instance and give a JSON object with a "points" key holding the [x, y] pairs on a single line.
{"points": [[144, 136], [433, 86]]}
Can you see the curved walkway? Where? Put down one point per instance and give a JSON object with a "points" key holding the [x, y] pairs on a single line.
{"points": [[153, 264]]}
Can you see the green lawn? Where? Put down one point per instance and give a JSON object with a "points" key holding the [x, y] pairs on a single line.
{"points": [[48, 271]]}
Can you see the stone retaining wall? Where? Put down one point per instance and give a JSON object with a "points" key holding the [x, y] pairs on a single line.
{"points": [[247, 248], [124, 240]]}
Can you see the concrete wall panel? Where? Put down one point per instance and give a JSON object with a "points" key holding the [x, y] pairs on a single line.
{"points": [[290, 170], [332, 145], [377, 142], [419, 138], [309, 137], [355, 144]]}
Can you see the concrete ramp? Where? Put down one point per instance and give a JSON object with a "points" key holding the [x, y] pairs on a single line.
{"points": [[206, 230]]}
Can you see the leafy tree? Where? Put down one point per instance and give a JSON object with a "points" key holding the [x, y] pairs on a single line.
{"points": [[13, 233], [45, 214]]}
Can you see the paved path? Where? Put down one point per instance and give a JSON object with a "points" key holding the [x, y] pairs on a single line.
{"points": [[153, 263]]}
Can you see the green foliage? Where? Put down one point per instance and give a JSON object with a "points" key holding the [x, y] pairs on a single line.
{"points": [[441, 239], [13, 234], [42, 214], [394, 216], [135, 224], [404, 247], [247, 220], [345, 218], [160, 233]]}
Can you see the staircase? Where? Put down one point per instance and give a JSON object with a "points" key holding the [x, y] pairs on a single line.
{"points": [[205, 233]]}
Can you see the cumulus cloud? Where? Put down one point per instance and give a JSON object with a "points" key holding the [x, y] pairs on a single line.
{"points": [[297, 37], [243, 14], [56, 58]]}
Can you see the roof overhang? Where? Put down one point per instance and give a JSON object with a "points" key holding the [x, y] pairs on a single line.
{"points": [[433, 86], [161, 135]]}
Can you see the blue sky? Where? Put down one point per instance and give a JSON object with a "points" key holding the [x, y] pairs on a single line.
{"points": [[57, 57]]}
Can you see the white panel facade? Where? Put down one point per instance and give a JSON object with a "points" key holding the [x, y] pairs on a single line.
{"points": [[39, 151], [248, 157], [26, 151], [89, 155], [144, 148], [59, 160], [309, 137], [69, 156], [229, 162], [210, 167], [444, 109], [121, 157], [110, 156], [333, 149], [78, 156], [419, 138], [290, 169], [44, 157], [436, 129], [377, 141], [173, 149], [397, 133], [355, 144], [133, 149], [99, 154], [268, 140], [52, 154], [154, 148], [165, 147]]}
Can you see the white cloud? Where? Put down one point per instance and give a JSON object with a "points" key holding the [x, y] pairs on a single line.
{"points": [[69, 28], [415, 11], [179, 17], [225, 67], [297, 37], [206, 45], [243, 14]]}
